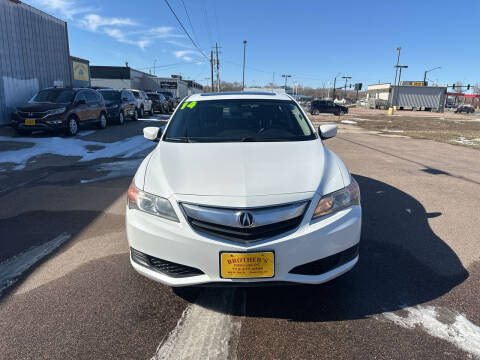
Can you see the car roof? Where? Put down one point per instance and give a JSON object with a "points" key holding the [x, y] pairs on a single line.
{"points": [[240, 95]]}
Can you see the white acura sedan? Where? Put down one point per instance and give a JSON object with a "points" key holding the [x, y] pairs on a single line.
{"points": [[240, 189]]}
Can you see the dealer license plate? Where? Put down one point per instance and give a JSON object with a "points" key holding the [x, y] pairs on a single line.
{"points": [[247, 265], [29, 121]]}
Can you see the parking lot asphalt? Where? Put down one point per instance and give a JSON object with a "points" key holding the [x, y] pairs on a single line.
{"points": [[414, 293]]}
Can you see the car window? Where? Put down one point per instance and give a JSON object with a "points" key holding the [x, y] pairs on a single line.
{"points": [[130, 95], [91, 97], [81, 96], [110, 95], [161, 97], [239, 120], [136, 94], [57, 96]]}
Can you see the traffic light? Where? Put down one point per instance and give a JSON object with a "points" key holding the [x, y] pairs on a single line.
{"points": [[468, 87], [453, 86]]}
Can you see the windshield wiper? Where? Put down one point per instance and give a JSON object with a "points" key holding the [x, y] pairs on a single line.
{"points": [[179, 139], [251, 139]]}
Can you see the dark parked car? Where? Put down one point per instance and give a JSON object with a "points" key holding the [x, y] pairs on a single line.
{"points": [[63, 109], [172, 101], [465, 109], [327, 106], [159, 102], [121, 104]]}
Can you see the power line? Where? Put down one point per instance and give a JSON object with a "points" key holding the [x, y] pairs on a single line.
{"points": [[185, 30], [209, 29], [190, 22]]}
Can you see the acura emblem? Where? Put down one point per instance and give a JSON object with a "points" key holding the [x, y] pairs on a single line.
{"points": [[246, 219]]}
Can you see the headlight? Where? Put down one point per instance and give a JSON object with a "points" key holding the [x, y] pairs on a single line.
{"points": [[113, 106], [155, 205], [338, 200], [56, 111]]}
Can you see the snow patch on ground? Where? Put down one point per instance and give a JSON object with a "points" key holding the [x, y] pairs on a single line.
{"points": [[203, 333], [85, 132], [465, 141], [12, 268], [441, 323], [392, 131], [348, 122], [73, 147]]}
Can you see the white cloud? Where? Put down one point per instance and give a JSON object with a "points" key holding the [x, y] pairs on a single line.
{"points": [[94, 21], [64, 8], [182, 54], [120, 36]]}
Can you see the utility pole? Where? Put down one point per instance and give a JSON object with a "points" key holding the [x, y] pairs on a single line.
{"points": [[154, 63], [244, 51], [218, 68], [399, 77], [345, 91], [396, 66], [211, 69], [335, 85], [286, 77]]}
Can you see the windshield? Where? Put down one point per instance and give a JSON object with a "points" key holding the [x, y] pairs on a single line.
{"points": [[152, 96], [56, 96], [110, 95], [238, 120], [167, 95]]}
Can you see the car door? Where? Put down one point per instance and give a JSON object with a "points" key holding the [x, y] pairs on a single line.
{"points": [[133, 102], [81, 107], [93, 106]]}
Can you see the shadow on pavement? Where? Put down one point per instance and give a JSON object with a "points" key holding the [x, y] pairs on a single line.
{"points": [[402, 263]]}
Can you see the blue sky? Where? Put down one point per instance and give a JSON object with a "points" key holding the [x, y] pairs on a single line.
{"points": [[311, 40]]}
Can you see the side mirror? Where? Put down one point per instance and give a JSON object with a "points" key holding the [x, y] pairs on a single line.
{"points": [[327, 131], [124, 99], [152, 133], [81, 102]]}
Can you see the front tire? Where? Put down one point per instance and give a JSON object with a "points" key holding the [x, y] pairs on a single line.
{"points": [[142, 113], [102, 121], [135, 115], [121, 118], [72, 126]]}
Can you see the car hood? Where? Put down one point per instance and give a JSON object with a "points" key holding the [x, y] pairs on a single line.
{"points": [[242, 169], [38, 107]]}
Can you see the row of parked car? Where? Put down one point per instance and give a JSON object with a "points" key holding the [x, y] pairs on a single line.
{"points": [[66, 109]]}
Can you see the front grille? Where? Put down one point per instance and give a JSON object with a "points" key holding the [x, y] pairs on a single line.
{"points": [[246, 235], [32, 115], [163, 266], [324, 265]]}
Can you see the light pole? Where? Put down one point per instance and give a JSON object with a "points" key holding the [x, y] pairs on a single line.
{"points": [[399, 77], [335, 84], [425, 75], [286, 78], [244, 51], [345, 91], [396, 65], [154, 63]]}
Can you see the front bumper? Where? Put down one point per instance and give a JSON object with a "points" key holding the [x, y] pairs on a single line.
{"points": [[49, 123], [178, 243]]}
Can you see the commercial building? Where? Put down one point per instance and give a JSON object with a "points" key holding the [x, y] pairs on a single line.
{"points": [[418, 97], [129, 78], [34, 54]]}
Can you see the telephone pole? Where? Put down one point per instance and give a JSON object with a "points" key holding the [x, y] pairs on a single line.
{"points": [[244, 51], [218, 68], [211, 68], [345, 91]]}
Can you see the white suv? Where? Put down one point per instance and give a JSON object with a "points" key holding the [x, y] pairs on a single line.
{"points": [[241, 189], [144, 104]]}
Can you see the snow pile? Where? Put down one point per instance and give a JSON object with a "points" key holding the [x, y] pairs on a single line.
{"points": [[392, 131], [464, 141], [73, 147], [348, 122]]}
